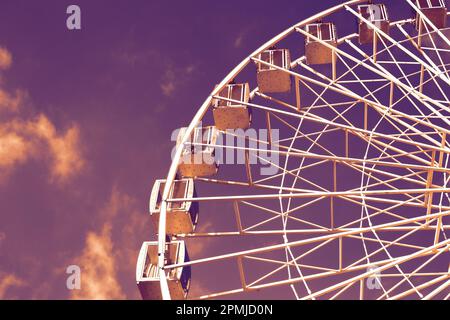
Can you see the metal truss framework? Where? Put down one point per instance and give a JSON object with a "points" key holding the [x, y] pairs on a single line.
{"points": [[390, 102]]}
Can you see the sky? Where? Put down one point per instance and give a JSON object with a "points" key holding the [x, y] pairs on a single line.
{"points": [[85, 123]]}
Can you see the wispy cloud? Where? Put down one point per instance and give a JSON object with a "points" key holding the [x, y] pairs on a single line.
{"points": [[172, 74], [13, 150], [241, 37], [37, 138], [24, 136], [64, 148], [238, 40], [11, 101], [175, 77], [99, 272], [112, 249], [169, 82], [197, 290]]}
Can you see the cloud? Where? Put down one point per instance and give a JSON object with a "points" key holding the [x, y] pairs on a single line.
{"points": [[133, 57], [13, 149], [169, 82], [242, 35], [110, 253], [2, 237], [5, 59], [7, 282], [65, 148], [197, 290], [173, 75], [11, 102], [22, 140], [168, 88], [24, 137], [198, 246]]}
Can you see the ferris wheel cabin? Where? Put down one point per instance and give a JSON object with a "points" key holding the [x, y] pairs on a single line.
{"points": [[148, 276], [435, 10], [376, 14], [181, 217], [316, 51], [270, 79], [198, 157], [232, 114]]}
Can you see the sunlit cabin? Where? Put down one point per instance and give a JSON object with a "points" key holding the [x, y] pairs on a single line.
{"points": [[435, 10], [148, 274], [198, 156], [377, 15], [271, 79], [316, 51], [181, 217], [232, 114]]}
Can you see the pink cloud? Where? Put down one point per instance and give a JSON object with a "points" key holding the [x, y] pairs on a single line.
{"points": [[112, 249], [23, 138], [99, 272], [64, 148]]}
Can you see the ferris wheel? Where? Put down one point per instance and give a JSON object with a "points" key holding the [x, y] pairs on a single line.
{"points": [[317, 169]]}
